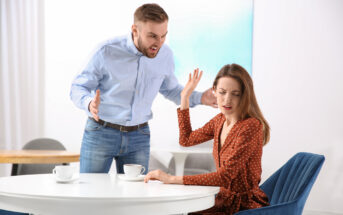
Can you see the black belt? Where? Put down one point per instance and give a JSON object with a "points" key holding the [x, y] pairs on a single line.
{"points": [[120, 127]]}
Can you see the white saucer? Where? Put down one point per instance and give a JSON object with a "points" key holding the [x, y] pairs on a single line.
{"points": [[125, 178], [59, 180]]}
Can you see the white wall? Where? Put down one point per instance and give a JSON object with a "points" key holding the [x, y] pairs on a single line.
{"points": [[297, 56], [297, 70]]}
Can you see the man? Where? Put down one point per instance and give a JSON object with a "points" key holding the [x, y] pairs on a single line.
{"points": [[126, 74]]}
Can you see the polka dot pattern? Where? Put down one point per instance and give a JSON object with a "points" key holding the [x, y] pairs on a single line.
{"points": [[238, 162]]}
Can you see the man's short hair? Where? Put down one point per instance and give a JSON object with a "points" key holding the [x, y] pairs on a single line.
{"points": [[150, 12]]}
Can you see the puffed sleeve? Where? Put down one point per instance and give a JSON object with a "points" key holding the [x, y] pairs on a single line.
{"points": [[187, 137]]}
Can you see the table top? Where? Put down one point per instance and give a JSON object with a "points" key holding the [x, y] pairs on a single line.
{"points": [[42, 194], [38, 156]]}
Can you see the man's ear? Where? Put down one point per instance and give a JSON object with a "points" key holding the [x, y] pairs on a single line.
{"points": [[134, 30]]}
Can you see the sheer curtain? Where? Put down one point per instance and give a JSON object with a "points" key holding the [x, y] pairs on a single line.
{"points": [[21, 73]]}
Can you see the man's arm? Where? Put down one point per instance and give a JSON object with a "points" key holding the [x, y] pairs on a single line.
{"points": [[86, 82]]}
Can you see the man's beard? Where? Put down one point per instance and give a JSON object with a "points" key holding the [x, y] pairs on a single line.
{"points": [[144, 50]]}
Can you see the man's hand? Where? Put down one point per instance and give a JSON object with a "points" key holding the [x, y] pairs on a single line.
{"points": [[94, 105], [209, 99]]}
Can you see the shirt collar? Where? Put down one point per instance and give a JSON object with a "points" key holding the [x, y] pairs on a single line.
{"points": [[131, 46]]}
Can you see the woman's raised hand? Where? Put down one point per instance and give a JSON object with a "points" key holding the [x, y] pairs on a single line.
{"points": [[189, 88], [192, 83]]}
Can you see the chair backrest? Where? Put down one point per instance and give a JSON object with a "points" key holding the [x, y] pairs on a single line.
{"points": [[294, 180], [44, 144], [39, 144]]}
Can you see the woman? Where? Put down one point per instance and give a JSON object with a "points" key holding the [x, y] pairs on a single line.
{"points": [[239, 133]]}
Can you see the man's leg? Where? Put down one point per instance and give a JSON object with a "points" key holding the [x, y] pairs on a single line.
{"points": [[99, 146], [135, 149]]}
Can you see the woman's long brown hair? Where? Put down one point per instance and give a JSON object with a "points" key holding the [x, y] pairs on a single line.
{"points": [[248, 104]]}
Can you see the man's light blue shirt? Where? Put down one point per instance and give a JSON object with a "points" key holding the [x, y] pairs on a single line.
{"points": [[128, 82]]}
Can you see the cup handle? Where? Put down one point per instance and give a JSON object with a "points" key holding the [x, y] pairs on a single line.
{"points": [[142, 171], [54, 171]]}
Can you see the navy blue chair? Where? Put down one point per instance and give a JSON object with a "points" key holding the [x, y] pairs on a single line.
{"points": [[289, 187], [3, 212]]}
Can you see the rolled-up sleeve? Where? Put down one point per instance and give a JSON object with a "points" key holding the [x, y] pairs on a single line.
{"points": [[86, 82]]}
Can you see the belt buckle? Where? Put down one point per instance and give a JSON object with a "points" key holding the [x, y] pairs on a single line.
{"points": [[120, 129]]}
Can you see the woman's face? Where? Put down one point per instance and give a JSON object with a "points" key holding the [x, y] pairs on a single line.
{"points": [[228, 93]]}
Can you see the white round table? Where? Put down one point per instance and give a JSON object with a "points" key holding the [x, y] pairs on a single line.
{"points": [[100, 194]]}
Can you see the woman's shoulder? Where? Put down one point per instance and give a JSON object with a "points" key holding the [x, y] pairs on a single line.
{"points": [[216, 119], [251, 122]]}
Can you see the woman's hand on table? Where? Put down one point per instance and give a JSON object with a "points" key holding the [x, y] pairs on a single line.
{"points": [[163, 177]]}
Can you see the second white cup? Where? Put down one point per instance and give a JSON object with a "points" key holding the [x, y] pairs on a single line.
{"points": [[133, 170], [64, 172]]}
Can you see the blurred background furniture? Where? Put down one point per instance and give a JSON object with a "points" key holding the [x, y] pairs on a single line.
{"points": [[178, 160], [289, 187], [194, 164], [38, 156], [38, 144]]}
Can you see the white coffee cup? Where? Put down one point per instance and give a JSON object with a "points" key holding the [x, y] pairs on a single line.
{"points": [[133, 170], [64, 172]]}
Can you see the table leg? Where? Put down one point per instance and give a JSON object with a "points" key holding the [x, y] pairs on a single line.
{"points": [[180, 159], [14, 169]]}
